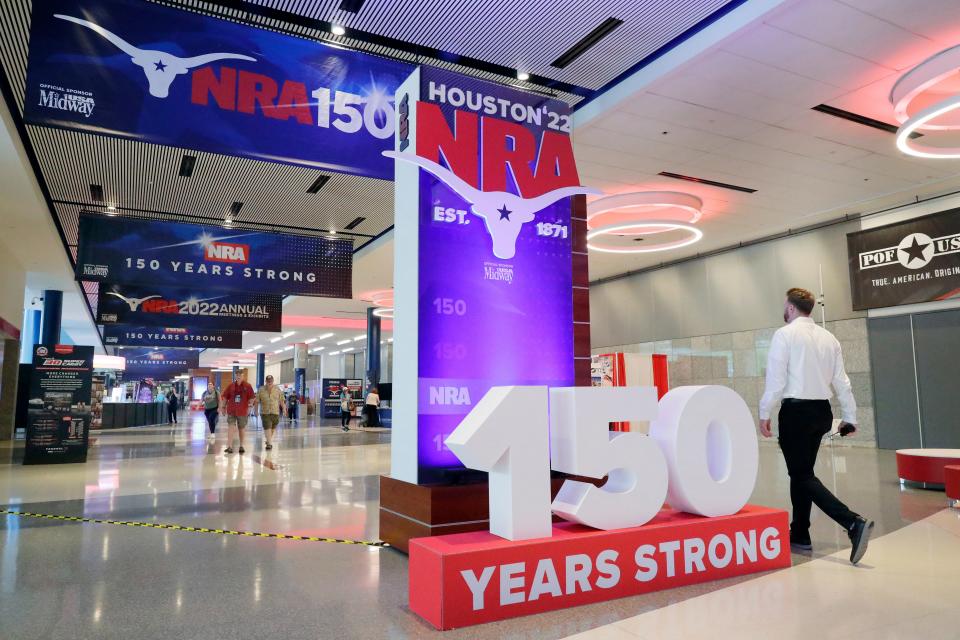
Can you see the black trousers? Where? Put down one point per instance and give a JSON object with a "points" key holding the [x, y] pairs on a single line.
{"points": [[344, 418], [173, 414], [803, 423], [212, 416]]}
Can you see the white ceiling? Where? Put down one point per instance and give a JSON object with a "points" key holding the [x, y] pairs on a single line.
{"points": [[740, 113]]}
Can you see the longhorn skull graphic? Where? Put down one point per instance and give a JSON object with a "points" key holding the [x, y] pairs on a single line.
{"points": [[133, 303], [160, 67], [503, 213]]}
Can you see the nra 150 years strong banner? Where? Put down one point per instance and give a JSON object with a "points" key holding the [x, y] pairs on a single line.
{"points": [[908, 262]]}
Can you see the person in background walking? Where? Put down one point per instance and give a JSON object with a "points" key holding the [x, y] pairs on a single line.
{"points": [[270, 400], [371, 408], [345, 399], [803, 363], [173, 403], [236, 403], [211, 408]]}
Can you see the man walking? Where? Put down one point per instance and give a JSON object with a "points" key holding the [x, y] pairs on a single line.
{"points": [[270, 400], [236, 403], [803, 363]]}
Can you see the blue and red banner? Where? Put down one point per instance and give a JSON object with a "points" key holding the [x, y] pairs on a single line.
{"points": [[141, 71], [157, 253], [144, 336], [182, 307], [158, 364]]}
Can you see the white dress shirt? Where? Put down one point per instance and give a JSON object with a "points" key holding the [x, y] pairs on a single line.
{"points": [[804, 361]]}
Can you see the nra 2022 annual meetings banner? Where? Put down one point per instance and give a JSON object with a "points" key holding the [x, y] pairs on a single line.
{"points": [[907, 262], [142, 336], [211, 257], [141, 71], [181, 307]]}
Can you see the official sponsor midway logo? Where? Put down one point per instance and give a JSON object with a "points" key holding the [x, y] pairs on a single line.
{"points": [[54, 97], [915, 251], [96, 270], [42, 351]]}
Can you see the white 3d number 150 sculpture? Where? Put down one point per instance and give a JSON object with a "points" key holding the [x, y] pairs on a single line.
{"points": [[701, 455]]}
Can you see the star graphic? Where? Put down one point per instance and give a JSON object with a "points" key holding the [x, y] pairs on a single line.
{"points": [[915, 251], [504, 212], [159, 66]]}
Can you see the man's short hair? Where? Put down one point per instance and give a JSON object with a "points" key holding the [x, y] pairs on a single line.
{"points": [[269, 378], [802, 299]]}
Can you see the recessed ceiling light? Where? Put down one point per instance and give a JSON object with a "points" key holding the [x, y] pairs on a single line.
{"points": [[325, 336], [277, 339], [287, 348], [337, 30], [310, 341], [340, 342], [362, 336], [523, 75], [288, 334], [334, 353], [347, 349], [389, 339], [278, 351]]}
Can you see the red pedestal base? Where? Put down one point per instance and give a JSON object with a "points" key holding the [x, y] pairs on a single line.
{"points": [[470, 578], [951, 477], [925, 466]]}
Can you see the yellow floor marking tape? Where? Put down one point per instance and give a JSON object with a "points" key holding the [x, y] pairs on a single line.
{"points": [[177, 527]]}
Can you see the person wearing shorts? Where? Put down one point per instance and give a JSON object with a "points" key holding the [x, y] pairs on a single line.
{"points": [[236, 404], [270, 400]]}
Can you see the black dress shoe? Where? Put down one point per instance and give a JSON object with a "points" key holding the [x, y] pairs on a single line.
{"points": [[801, 543], [859, 537]]}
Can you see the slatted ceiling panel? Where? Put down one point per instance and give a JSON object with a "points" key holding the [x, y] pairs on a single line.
{"points": [[527, 34], [14, 43], [92, 291], [141, 176], [322, 35]]}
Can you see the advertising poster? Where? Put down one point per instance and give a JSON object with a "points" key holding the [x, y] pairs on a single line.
{"points": [[143, 336], [907, 262], [158, 364], [176, 307], [59, 409], [179, 254], [494, 296], [145, 72]]}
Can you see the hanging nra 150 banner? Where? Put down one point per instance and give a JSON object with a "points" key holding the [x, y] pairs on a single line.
{"points": [[143, 336], [175, 307], [907, 262], [158, 364], [179, 254], [484, 178], [141, 71]]}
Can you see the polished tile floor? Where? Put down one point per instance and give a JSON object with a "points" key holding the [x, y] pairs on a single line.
{"points": [[79, 580]]}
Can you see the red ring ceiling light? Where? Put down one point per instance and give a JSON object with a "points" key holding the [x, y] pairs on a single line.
{"points": [[922, 97]]}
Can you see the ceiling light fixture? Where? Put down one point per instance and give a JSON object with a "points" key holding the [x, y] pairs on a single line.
{"points": [[627, 208], [362, 336], [310, 341], [276, 339], [340, 342], [355, 223], [337, 30], [523, 76], [325, 336], [278, 351], [922, 97], [318, 184], [348, 349], [287, 348], [334, 353], [630, 229], [288, 334], [383, 312]]}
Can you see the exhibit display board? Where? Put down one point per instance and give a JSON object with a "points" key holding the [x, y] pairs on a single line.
{"points": [[189, 308], [158, 364], [143, 336], [145, 72], [59, 408], [156, 253], [483, 267], [906, 262]]}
